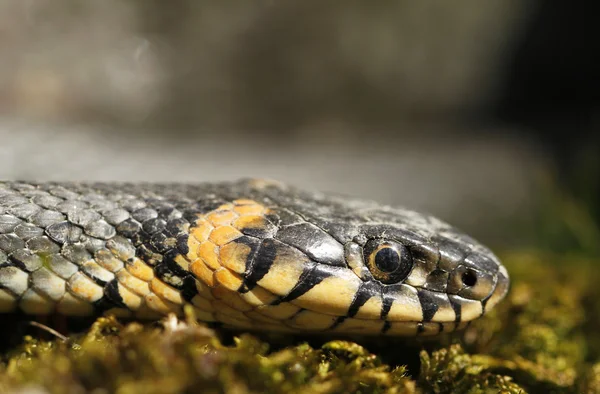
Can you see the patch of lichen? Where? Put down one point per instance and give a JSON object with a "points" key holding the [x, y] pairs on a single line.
{"points": [[542, 338]]}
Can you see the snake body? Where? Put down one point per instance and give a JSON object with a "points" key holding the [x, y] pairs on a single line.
{"points": [[250, 254]]}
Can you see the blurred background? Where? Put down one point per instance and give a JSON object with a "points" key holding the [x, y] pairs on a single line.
{"points": [[479, 112]]}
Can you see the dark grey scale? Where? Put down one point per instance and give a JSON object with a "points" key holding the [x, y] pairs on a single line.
{"points": [[260, 264], [407, 238], [62, 267], [320, 246], [102, 204], [26, 231], [42, 245], [100, 229], [45, 218], [21, 186], [177, 226], [93, 244], [437, 280], [366, 291], [141, 238], [83, 217], [43, 198], [451, 253], [24, 211], [283, 217], [76, 253], [181, 243], [10, 200], [68, 206], [8, 223], [10, 242], [66, 190], [167, 211], [342, 232], [5, 261], [133, 205], [426, 252], [479, 261], [129, 228], [191, 215], [116, 216], [26, 259], [22, 259], [162, 243], [202, 206], [144, 214], [154, 226], [64, 232]]}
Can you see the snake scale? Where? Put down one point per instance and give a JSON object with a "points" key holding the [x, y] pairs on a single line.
{"points": [[249, 254]]}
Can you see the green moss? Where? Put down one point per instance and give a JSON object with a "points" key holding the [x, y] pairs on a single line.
{"points": [[451, 370], [542, 339]]}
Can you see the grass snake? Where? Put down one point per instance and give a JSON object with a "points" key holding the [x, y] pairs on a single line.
{"points": [[251, 254]]}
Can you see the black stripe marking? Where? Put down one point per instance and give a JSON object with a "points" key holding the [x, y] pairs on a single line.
{"points": [[429, 306], [457, 306], [366, 291], [441, 327], [188, 289], [386, 305], [182, 243], [170, 272], [386, 326], [267, 231], [420, 328], [312, 275], [112, 298], [337, 322], [258, 266], [170, 265]]}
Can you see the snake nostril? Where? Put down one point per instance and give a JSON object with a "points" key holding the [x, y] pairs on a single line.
{"points": [[469, 278]]}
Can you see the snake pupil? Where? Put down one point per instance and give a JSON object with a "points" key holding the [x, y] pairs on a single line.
{"points": [[387, 260], [469, 278]]}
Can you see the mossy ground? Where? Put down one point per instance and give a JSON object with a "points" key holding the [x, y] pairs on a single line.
{"points": [[542, 339]]}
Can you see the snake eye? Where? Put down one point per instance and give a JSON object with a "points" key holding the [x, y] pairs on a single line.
{"points": [[388, 261]]}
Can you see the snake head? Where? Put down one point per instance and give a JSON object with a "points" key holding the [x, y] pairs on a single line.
{"points": [[292, 261], [432, 278]]}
